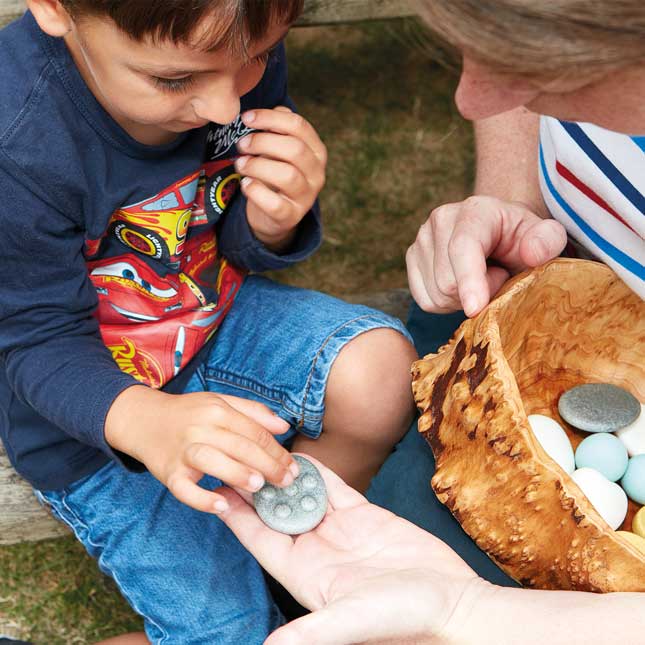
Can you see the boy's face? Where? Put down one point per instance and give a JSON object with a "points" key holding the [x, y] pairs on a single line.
{"points": [[156, 90]]}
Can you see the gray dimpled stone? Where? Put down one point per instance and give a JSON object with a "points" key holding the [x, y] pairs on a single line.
{"points": [[297, 508], [598, 407]]}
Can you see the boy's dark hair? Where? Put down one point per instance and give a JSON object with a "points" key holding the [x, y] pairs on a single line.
{"points": [[235, 22]]}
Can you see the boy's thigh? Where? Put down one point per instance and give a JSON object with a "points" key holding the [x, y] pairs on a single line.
{"points": [[277, 346], [182, 570]]}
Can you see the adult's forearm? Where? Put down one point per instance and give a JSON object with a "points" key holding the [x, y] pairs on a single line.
{"points": [[500, 616], [507, 158]]}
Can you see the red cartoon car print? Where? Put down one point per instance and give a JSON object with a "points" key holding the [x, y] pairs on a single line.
{"points": [[157, 226]]}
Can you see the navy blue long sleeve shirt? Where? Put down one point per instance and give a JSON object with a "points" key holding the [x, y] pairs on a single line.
{"points": [[119, 259]]}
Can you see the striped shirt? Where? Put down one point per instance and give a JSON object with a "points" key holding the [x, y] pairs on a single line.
{"points": [[593, 182]]}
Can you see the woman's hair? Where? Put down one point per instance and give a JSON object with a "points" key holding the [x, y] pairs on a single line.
{"points": [[180, 21], [543, 39]]}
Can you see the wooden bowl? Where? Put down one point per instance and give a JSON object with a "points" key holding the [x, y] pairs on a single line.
{"points": [[563, 324]]}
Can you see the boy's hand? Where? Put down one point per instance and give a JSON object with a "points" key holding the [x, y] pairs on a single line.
{"points": [[447, 267], [283, 167], [181, 438]]}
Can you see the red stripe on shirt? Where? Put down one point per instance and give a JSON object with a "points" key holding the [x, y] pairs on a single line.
{"points": [[564, 172]]}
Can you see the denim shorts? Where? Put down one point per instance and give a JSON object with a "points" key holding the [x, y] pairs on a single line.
{"points": [[183, 570]]}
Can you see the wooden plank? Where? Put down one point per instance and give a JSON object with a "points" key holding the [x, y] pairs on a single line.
{"points": [[325, 12], [10, 8], [22, 518], [317, 12]]}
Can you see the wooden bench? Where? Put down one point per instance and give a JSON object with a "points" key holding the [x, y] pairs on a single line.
{"points": [[317, 12], [21, 517]]}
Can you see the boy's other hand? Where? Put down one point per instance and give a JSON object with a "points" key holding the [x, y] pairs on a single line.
{"points": [[283, 167], [181, 438], [447, 268]]}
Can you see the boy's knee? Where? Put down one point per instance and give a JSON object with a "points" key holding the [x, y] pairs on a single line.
{"points": [[371, 377]]}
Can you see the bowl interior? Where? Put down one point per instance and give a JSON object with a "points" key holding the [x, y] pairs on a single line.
{"points": [[570, 328]]}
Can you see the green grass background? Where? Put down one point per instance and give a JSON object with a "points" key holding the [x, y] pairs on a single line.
{"points": [[397, 149]]}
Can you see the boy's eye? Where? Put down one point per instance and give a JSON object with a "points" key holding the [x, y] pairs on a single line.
{"points": [[173, 84], [263, 59]]}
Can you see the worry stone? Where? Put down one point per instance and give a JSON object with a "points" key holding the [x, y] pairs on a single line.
{"points": [[297, 508]]}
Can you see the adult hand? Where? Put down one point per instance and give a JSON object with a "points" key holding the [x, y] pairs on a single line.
{"points": [[283, 167], [182, 437], [367, 575], [447, 267]]}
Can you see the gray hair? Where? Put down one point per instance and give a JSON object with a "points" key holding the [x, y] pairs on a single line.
{"points": [[543, 39]]}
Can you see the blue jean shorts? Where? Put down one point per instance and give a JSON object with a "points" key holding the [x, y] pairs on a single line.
{"points": [[183, 570]]}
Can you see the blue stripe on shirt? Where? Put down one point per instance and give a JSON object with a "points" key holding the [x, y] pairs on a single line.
{"points": [[611, 172], [640, 142], [609, 249]]}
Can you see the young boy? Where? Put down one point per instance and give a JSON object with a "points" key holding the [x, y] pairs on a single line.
{"points": [[140, 366]]}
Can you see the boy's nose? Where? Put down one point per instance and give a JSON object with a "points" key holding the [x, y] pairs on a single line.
{"points": [[219, 106], [482, 94]]}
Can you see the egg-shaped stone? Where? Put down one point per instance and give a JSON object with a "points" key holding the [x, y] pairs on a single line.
{"points": [[638, 522], [633, 435], [634, 539], [633, 481], [607, 498], [603, 452], [553, 439]]}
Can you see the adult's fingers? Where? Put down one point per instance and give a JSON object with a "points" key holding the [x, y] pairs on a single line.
{"points": [[542, 242], [270, 548], [419, 262], [337, 624]]}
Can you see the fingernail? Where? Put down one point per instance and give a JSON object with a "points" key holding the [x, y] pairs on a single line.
{"points": [[220, 506], [256, 482], [248, 117], [241, 162], [470, 305], [287, 481], [244, 143], [246, 181], [294, 468]]}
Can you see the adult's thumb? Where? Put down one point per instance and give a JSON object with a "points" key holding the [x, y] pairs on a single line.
{"points": [[322, 627], [542, 242]]}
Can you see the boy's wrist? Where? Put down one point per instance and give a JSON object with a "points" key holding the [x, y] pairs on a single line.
{"points": [[133, 412]]}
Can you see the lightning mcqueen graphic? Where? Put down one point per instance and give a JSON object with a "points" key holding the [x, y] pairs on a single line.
{"points": [[155, 325]]}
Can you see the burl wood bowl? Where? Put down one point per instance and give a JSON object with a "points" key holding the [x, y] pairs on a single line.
{"points": [[563, 324]]}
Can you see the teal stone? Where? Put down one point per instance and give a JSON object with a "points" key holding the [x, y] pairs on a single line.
{"points": [[605, 453], [297, 508], [598, 407], [633, 481]]}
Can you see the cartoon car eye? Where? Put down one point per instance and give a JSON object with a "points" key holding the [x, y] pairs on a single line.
{"points": [[128, 272]]}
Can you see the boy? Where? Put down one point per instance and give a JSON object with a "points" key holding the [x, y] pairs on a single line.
{"points": [[140, 366]]}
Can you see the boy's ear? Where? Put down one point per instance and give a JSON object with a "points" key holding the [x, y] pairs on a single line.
{"points": [[51, 17]]}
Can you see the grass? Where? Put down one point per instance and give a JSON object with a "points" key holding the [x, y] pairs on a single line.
{"points": [[397, 148]]}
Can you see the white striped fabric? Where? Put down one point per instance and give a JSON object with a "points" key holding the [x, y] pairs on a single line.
{"points": [[593, 182]]}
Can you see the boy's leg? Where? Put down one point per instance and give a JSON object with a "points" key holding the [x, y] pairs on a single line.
{"points": [[319, 363], [368, 406], [182, 570]]}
